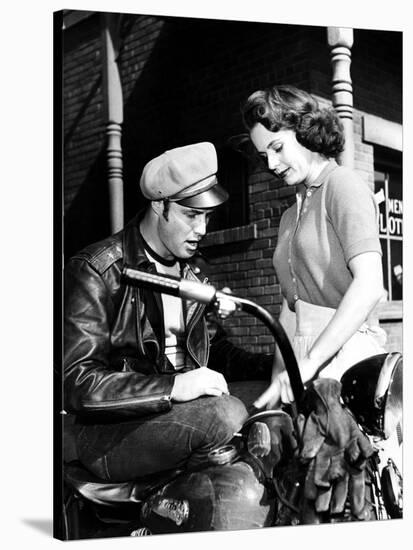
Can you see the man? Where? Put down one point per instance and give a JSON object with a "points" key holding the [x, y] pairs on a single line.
{"points": [[147, 385]]}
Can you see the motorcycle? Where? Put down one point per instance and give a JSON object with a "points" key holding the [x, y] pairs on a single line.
{"points": [[240, 488]]}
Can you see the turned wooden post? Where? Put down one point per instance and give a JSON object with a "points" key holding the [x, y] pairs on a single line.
{"points": [[340, 41], [113, 104]]}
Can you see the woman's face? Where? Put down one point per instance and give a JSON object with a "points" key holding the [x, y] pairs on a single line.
{"points": [[285, 156]]}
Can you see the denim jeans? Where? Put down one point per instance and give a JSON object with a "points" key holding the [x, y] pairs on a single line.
{"points": [[180, 437]]}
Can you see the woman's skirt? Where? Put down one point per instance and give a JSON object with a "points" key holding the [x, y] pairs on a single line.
{"points": [[311, 321]]}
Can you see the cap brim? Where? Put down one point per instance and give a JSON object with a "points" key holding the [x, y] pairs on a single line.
{"points": [[210, 198]]}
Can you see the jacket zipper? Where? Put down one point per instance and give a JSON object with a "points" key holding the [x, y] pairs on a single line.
{"points": [[195, 318], [201, 307], [139, 338], [130, 401]]}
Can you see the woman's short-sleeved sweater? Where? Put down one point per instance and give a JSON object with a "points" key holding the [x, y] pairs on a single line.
{"points": [[332, 221]]}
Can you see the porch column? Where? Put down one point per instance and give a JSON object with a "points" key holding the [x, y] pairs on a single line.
{"points": [[113, 105], [340, 41]]}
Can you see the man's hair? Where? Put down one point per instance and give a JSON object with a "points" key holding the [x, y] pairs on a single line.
{"points": [[287, 107]]}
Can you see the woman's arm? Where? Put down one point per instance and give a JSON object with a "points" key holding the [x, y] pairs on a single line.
{"points": [[271, 396], [361, 297], [287, 320], [358, 302]]}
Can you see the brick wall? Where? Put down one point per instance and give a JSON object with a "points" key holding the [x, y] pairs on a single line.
{"points": [[248, 270], [377, 73], [86, 203], [183, 81]]}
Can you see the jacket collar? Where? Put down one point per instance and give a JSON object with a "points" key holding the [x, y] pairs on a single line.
{"points": [[134, 255], [133, 250]]}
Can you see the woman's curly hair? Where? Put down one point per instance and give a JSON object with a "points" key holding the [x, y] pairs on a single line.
{"points": [[287, 107]]}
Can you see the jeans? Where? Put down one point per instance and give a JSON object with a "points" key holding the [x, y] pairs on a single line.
{"points": [[181, 437]]}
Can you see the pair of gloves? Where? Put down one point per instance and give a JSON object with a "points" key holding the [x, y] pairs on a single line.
{"points": [[331, 446], [334, 449]]}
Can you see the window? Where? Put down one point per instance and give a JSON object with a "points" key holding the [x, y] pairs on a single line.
{"points": [[389, 193]]}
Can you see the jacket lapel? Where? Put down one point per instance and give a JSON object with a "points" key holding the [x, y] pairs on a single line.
{"points": [[134, 256]]}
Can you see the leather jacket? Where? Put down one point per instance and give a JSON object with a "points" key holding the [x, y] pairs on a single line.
{"points": [[114, 361]]}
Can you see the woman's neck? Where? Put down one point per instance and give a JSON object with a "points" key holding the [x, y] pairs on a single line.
{"points": [[317, 166]]}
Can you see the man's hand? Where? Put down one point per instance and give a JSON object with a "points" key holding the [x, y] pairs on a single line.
{"points": [[225, 306], [193, 384]]}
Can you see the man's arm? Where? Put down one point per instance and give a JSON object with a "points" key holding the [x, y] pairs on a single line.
{"points": [[235, 363], [91, 384]]}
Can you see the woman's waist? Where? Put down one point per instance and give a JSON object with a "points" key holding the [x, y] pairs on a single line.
{"points": [[311, 319]]}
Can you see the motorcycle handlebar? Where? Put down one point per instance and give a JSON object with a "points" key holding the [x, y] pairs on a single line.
{"points": [[189, 290], [207, 294]]}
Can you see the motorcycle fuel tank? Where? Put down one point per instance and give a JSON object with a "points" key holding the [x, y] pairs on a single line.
{"points": [[219, 497]]}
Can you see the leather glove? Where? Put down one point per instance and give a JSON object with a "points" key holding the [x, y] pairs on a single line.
{"points": [[334, 448]]}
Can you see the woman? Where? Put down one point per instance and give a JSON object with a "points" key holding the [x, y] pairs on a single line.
{"points": [[328, 254]]}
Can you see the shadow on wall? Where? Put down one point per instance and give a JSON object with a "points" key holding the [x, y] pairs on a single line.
{"points": [[188, 90], [87, 219], [183, 81], [170, 101]]}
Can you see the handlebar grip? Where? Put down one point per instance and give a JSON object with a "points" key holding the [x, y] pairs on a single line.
{"points": [[200, 292], [167, 284], [160, 283]]}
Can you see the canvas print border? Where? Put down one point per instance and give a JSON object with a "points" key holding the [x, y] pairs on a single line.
{"points": [[368, 129]]}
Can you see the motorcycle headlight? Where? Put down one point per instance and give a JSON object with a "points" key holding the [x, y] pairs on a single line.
{"points": [[372, 389]]}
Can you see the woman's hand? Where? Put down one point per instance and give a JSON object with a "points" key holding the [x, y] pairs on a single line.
{"points": [[280, 390]]}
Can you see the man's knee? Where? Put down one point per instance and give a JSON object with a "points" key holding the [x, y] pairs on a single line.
{"points": [[228, 414], [219, 418]]}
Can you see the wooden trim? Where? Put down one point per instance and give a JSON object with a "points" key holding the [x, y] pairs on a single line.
{"points": [[390, 311], [231, 235], [113, 105], [380, 131], [340, 42]]}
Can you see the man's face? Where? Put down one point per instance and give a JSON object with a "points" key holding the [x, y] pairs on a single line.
{"points": [[181, 233]]}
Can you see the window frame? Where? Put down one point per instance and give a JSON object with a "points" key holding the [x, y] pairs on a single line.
{"points": [[387, 161]]}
